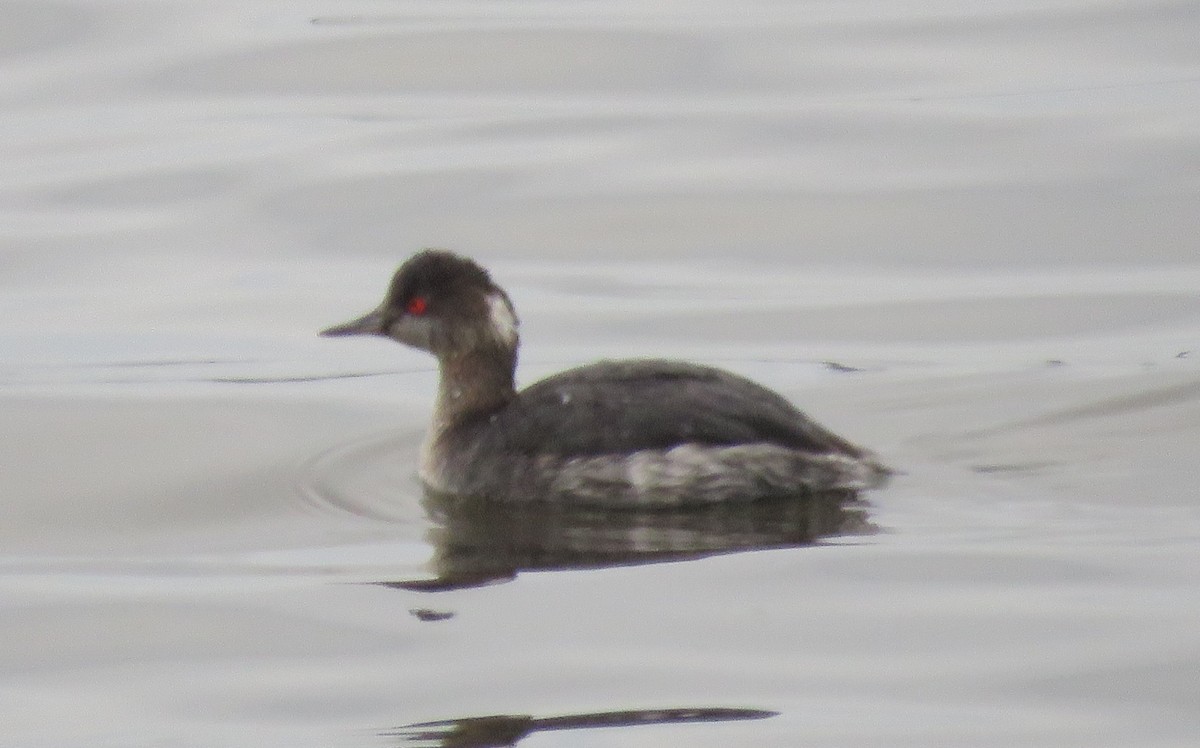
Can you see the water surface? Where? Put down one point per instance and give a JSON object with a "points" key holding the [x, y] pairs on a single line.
{"points": [[963, 236]]}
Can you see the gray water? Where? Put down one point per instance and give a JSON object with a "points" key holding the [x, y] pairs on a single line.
{"points": [[963, 236]]}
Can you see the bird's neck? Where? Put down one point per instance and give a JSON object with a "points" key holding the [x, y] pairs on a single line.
{"points": [[473, 384]]}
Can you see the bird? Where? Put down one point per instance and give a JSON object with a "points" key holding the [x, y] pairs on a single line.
{"points": [[615, 433]]}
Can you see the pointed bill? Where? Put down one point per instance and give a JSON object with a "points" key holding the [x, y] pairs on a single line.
{"points": [[370, 323]]}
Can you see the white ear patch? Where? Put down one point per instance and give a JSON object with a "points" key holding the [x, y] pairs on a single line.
{"points": [[503, 319]]}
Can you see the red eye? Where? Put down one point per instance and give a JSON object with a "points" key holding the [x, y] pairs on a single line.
{"points": [[416, 306]]}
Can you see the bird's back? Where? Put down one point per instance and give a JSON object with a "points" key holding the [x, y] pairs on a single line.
{"points": [[630, 427]]}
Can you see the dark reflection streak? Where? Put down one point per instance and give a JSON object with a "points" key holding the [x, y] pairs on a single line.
{"points": [[497, 731], [479, 542], [164, 363], [134, 364], [243, 380], [304, 378], [427, 614], [1052, 90]]}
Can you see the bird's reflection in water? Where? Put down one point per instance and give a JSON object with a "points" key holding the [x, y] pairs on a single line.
{"points": [[508, 729], [477, 542]]}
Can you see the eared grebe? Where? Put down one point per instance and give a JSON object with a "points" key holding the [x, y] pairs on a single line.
{"points": [[618, 433]]}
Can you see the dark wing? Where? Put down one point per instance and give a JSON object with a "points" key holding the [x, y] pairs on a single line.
{"points": [[620, 406]]}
